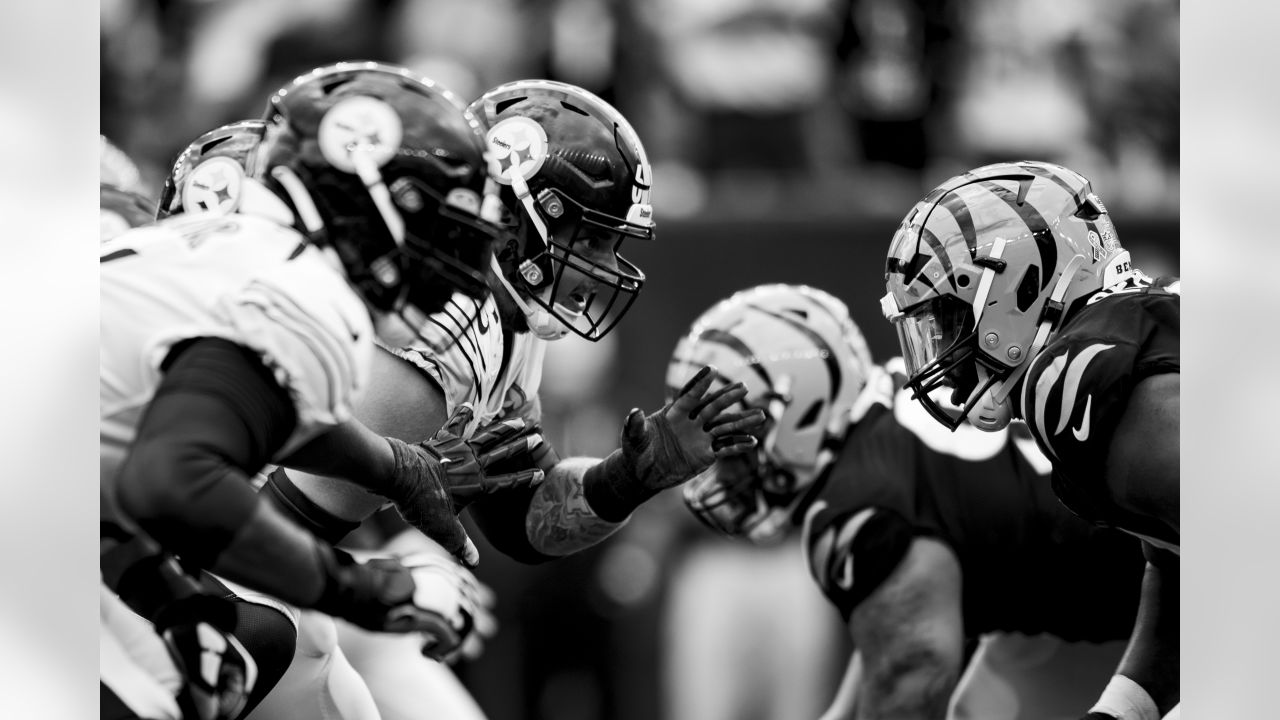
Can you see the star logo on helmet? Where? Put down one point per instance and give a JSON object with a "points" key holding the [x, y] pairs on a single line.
{"points": [[517, 145], [214, 185]]}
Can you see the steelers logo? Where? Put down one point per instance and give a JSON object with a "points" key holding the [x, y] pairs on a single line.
{"points": [[517, 146], [363, 123], [215, 185]]}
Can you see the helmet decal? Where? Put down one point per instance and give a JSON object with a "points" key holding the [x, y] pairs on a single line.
{"points": [[359, 122], [215, 185], [517, 145]]}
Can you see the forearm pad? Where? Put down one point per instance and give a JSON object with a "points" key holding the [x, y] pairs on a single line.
{"points": [[296, 506], [145, 577], [612, 488]]}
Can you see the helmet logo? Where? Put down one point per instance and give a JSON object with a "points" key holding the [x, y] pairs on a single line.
{"points": [[213, 186], [359, 123], [517, 146]]}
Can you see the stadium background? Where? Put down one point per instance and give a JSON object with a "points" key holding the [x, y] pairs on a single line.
{"points": [[788, 138]]}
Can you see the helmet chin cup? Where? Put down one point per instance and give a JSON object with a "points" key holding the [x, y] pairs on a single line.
{"points": [[986, 412]]}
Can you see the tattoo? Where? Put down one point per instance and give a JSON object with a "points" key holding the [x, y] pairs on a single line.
{"points": [[560, 522]]}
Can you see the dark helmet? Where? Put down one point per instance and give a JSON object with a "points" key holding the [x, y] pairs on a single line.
{"points": [[576, 181], [209, 174], [388, 169]]}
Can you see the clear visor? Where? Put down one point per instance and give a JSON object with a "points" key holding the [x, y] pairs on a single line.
{"points": [[929, 330]]}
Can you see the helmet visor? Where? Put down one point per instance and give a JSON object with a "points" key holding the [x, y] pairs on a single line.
{"points": [[928, 330]]}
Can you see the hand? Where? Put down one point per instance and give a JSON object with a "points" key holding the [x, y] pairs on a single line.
{"points": [[218, 673], [435, 479], [682, 439], [511, 442], [450, 608]]}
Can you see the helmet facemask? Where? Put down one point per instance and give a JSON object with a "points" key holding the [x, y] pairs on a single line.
{"points": [[574, 195]]}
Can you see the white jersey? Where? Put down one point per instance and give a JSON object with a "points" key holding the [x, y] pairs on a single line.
{"points": [[471, 369], [241, 278]]}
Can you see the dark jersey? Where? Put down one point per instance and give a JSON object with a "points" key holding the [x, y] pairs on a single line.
{"points": [[1028, 565], [1077, 388]]}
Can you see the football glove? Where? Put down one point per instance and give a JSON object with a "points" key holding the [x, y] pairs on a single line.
{"points": [[673, 444], [421, 593], [218, 672]]}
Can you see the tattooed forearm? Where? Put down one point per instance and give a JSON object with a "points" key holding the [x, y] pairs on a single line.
{"points": [[560, 522]]}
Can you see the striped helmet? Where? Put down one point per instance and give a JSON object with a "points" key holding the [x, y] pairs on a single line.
{"points": [[982, 271], [804, 362]]}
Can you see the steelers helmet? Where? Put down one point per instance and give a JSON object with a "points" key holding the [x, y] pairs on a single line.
{"points": [[388, 169], [575, 182]]}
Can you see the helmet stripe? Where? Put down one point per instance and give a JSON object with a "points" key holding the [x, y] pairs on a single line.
{"points": [[826, 351], [736, 344], [960, 212], [1036, 225], [1077, 194]]}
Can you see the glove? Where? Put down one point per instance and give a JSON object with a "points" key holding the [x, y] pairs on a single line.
{"points": [[434, 480], [672, 445], [682, 439], [467, 462], [218, 673], [421, 593]]}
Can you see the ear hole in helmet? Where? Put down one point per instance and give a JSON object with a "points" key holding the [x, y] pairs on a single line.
{"points": [[810, 415], [963, 281], [1028, 288]]}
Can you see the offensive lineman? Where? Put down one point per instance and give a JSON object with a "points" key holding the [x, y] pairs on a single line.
{"points": [[228, 342]]}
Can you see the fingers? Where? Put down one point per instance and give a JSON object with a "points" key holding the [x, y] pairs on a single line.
{"points": [[727, 445], [507, 481], [715, 403], [740, 423], [517, 446], [498, 432], [693, 390]]}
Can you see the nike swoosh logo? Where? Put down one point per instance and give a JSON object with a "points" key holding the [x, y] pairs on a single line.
{"points": [[1082, 431]]}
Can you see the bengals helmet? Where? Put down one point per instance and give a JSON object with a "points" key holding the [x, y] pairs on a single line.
{"points": [[981, 273], [575, 181], [388, 169], [804, 362]]}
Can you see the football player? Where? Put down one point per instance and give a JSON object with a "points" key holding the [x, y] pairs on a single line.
{"points": [[232, 341], [924, 541], [575, 183], [1008, 285]]}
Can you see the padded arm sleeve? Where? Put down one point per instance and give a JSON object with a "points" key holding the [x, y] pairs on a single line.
{"points": [[855, 552]]}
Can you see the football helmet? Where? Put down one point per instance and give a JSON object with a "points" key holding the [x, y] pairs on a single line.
{"points": [[575, 181], [209, 174], [386, 168], [804, 362], [981, 273]]}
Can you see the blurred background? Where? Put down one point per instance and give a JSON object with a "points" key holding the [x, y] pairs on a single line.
{"points": [[788, 139]]}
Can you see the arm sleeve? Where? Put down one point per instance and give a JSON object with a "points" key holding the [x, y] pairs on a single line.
{"points": [[217, 417], [855, 551]]}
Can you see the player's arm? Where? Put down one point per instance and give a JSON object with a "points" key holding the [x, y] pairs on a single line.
{"points": [[218, 414], [910, 635], [1143, 457], [1145, 685], [584, 500]]}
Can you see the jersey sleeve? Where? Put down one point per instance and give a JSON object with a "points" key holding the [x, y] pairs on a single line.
{"points": [[1077, 389], [851, 552], [314, 335]]}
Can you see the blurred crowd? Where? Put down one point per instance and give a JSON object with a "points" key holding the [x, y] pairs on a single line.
{"points": [[829, 107], [837, 111]]}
